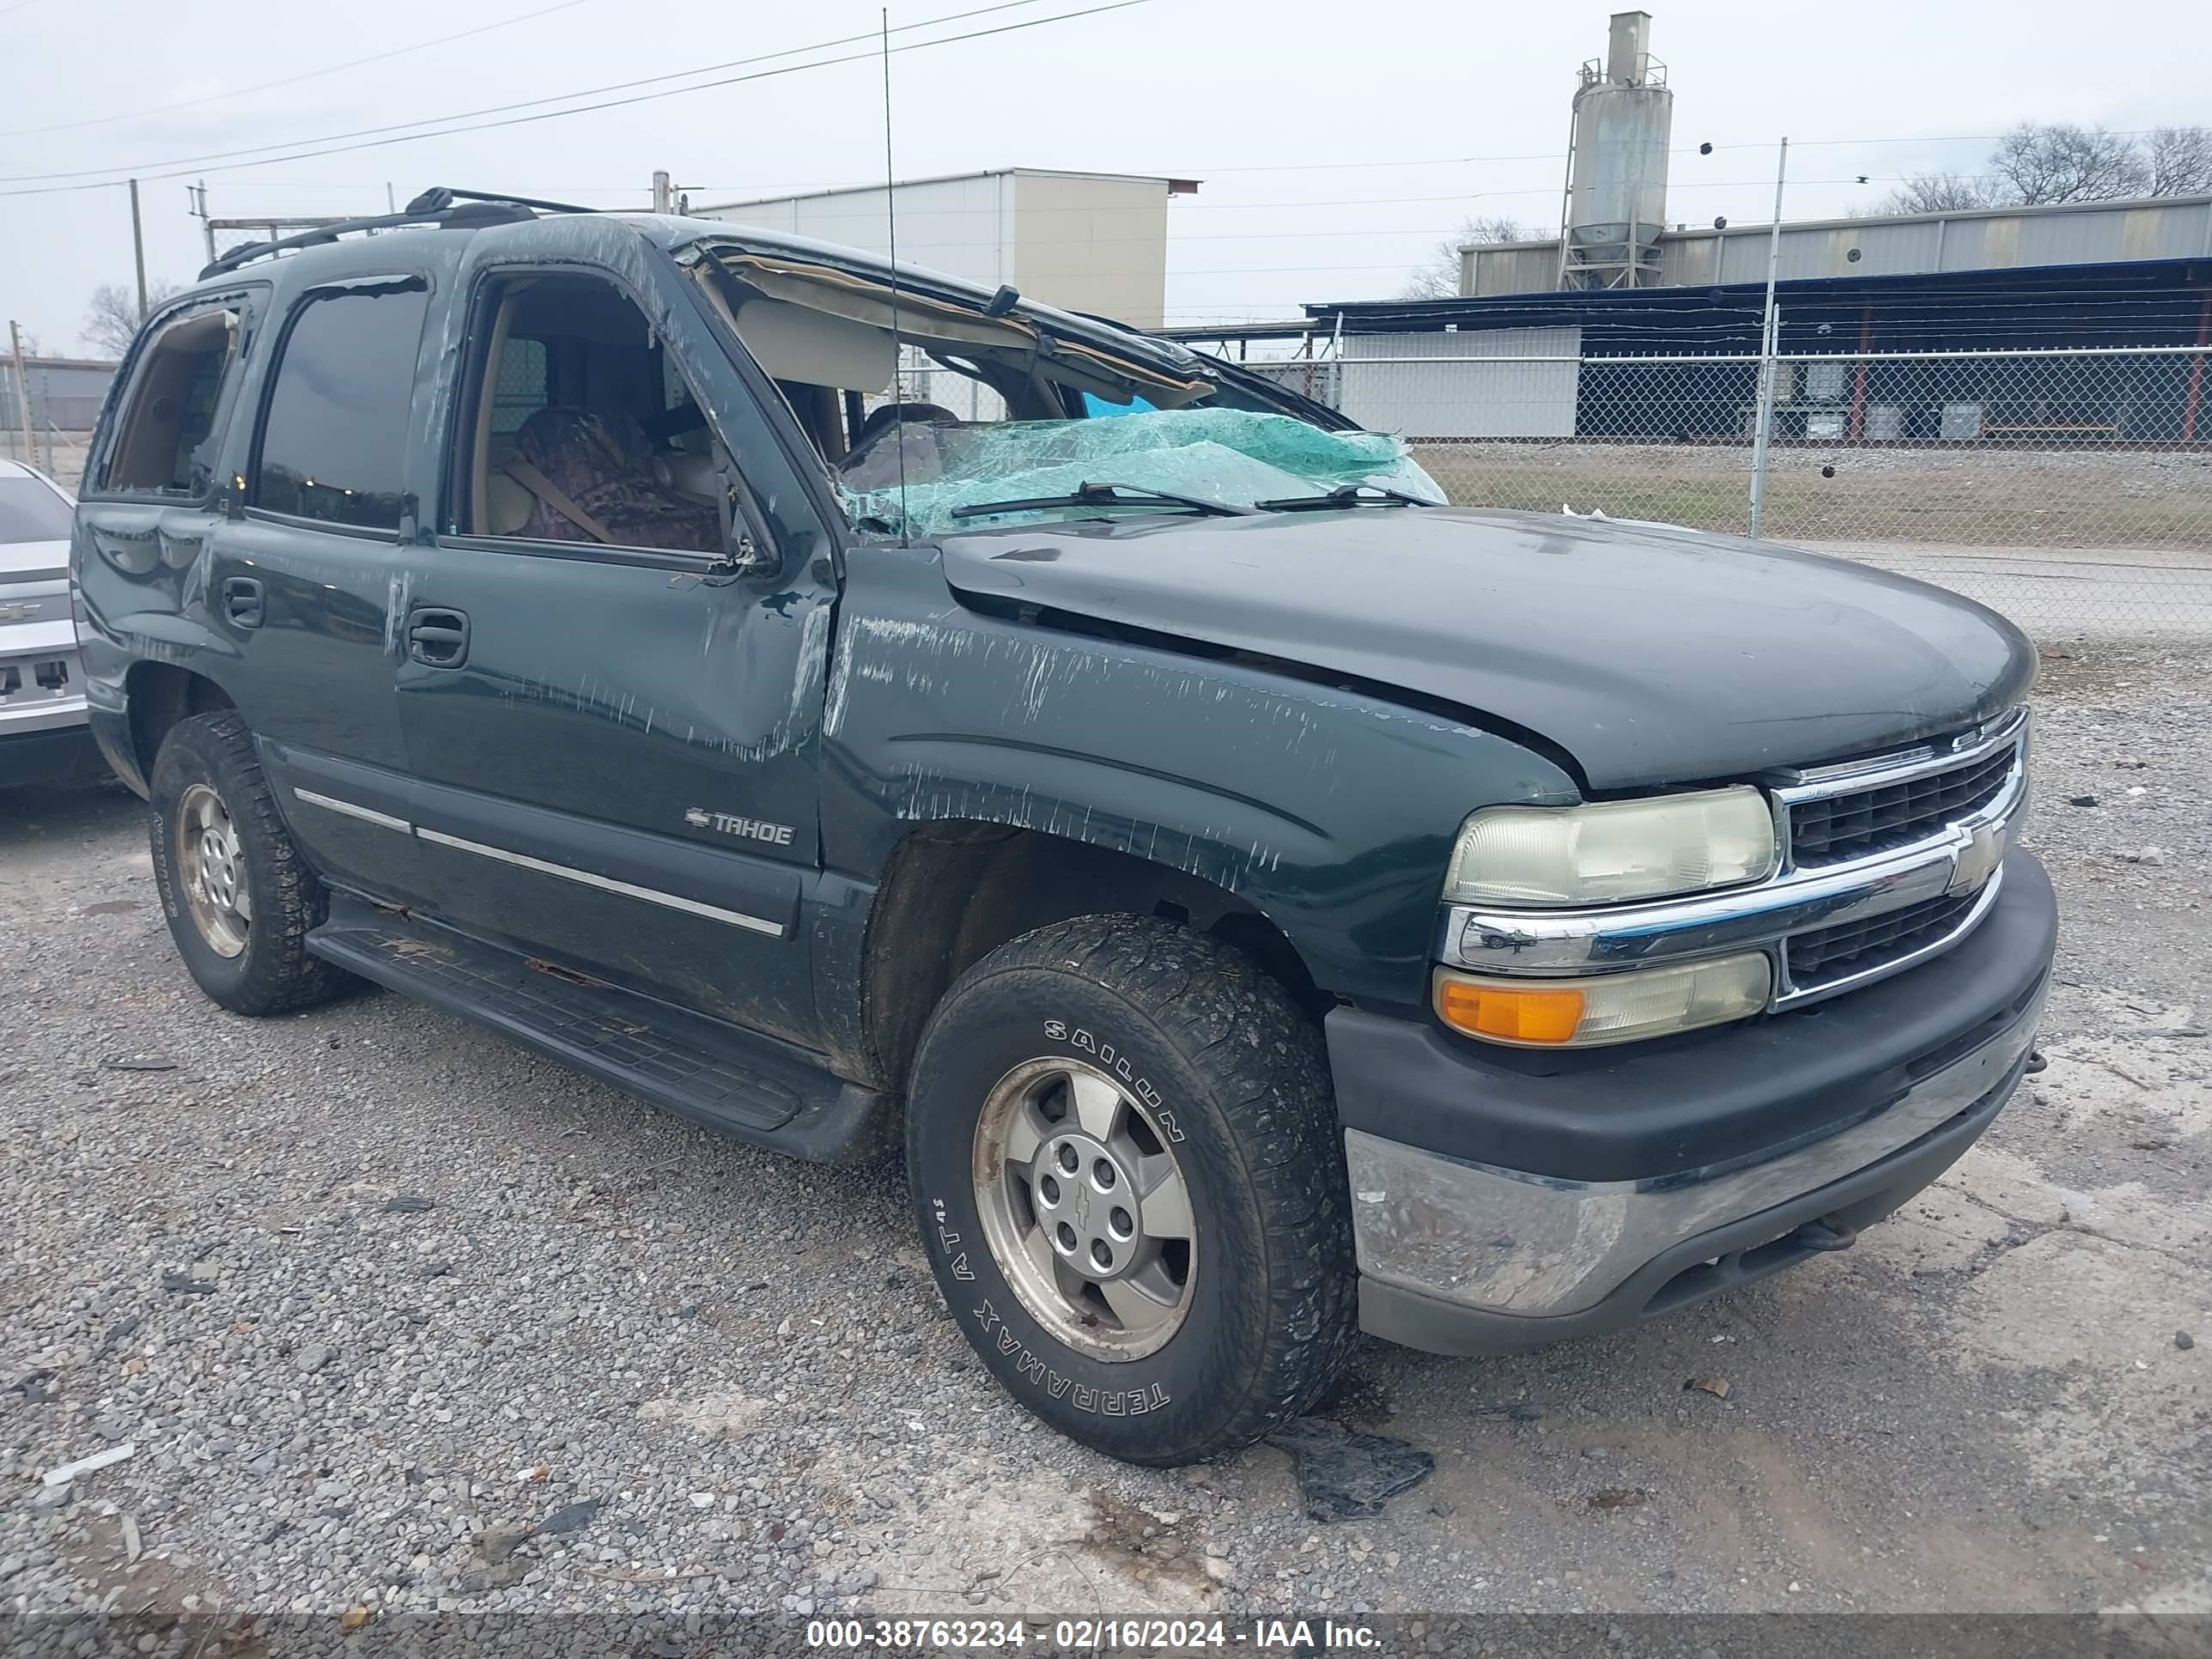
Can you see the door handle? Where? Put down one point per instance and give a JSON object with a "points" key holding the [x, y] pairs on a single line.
{"points": [[241, 601], [438, 638]]}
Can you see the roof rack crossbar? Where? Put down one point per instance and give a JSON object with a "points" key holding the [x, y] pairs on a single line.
{"points": [[246, 251], [427, 199], [436, 206]]}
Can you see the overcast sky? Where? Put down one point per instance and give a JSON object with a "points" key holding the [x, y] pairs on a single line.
{"points": [[1331, 137]]}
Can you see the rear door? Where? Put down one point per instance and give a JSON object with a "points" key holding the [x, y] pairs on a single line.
{"points": [[307, 581], [613, 731], [154, 490]]}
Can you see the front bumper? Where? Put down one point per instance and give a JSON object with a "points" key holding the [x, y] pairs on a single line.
{"points": [[1502, 1201]]}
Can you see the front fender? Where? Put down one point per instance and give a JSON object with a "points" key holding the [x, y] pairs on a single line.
{"points": [[1330, 811]]}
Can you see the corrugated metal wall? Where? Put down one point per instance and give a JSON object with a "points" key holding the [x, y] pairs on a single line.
{"points": [[65, 395], [1431, 395], [2085, 234]]}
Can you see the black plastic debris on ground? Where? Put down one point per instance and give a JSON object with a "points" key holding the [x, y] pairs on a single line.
{"points": [[408, 1204], [572, 1518], [1345, 1474], [186, 1285]]}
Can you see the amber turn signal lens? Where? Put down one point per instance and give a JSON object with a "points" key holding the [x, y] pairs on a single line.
{"points": [[1510, 1014], [1600, 1008]]}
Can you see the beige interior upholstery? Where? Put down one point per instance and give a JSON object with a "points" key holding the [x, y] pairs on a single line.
{"points": [[794, 343], [690, 474], [506, 505], [146, 455], [487, 452]]}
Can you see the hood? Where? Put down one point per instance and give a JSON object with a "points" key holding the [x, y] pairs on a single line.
{"points": [[33, 561], [1652, 655]]}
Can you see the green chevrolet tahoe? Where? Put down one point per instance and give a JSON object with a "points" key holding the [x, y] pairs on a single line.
{"points": [[855, 709]]}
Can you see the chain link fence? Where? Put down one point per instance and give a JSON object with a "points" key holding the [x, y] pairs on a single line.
{"points": [[59, 454], [2071, 491]]}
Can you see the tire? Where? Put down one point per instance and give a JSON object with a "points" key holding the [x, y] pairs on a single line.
{"points": [[1215, 1071], [251, 957]]}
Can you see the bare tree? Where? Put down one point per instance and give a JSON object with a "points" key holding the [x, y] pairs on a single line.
{"points": [[2038, 162], [1437, 276], [1937, 193], [112, 322], [2180, 160]]}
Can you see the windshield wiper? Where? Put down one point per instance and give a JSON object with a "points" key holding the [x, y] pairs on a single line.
{"points": [[1346, 495], [1103, 494]]}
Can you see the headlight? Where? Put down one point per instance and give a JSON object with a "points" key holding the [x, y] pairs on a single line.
{"points": [[1601, 1008], [1613, 850]]}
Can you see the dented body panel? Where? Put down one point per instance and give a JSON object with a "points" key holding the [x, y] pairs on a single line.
{"points": [[1329, 811], [1655, 656]]}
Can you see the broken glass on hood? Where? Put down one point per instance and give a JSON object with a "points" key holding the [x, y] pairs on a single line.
{"points": [[1234, 456]]}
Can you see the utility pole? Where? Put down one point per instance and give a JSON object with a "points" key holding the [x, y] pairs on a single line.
{"points": [[23, 388], [196, 194], [138, 249], [1770, 343], [664, 192]]}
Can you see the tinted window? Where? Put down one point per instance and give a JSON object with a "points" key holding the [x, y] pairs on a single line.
{"points": [[30, 512], [335, 436]]}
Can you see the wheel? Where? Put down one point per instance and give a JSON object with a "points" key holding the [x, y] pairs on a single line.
{"points": [[1129, 1178], [238, 897]]}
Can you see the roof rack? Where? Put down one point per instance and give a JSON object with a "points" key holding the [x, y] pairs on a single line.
{"points": [[449, 209]]}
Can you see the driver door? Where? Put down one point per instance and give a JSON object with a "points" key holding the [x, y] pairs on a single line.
{"points": [[610, 694]]}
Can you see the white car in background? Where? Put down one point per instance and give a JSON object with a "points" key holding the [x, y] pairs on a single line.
{"points": [[43, 735]]}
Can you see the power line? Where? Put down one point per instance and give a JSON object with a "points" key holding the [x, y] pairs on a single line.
{"points": [[289, 80], [189, 163]]}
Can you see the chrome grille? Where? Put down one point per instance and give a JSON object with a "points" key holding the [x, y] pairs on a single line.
{"points": [[1824, 954], [1888, 815], [1888, 861]]}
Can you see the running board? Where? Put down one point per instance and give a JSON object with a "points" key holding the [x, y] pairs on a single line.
{"points": [[741, 1083]]}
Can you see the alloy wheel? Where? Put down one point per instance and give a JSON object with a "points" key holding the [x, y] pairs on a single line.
{"points": [[1085, 1208]]}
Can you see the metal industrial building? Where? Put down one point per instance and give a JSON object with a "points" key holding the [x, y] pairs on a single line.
{"points": [[65, 392], [1941, 358], [1084, 241], [1887, 245], [2067, 324]]}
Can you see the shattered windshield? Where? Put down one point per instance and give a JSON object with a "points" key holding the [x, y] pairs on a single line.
{"points": [[930, 400], [1238, 458]]}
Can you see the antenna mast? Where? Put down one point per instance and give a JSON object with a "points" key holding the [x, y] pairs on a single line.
{"points": [[890, 220]]}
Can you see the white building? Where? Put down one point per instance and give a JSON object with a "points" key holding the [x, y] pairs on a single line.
{"points": [[1083, 241]]}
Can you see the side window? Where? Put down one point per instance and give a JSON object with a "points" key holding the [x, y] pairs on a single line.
{"points": [[581, 427], [166, 432], [333, 437]]}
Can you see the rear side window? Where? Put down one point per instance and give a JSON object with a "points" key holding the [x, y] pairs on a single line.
{"points": [[333, 437], [167, 432]]}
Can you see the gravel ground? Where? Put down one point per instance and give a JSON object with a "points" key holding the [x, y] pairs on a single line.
{"points": [[394, 1316]]}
